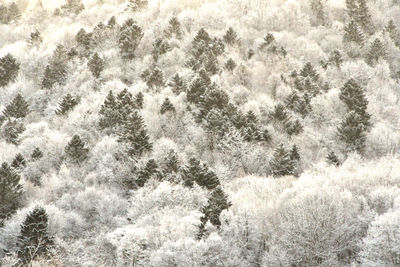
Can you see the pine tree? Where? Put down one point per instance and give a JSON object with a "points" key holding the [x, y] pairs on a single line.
{"points": [[67, 103], [376, 51], [393, 32], [174, 28], [154, 78], [13, 12], [363, 17], [10, 192], [230, 64], [129, 39], [18, 161], [353, 34], [76, 150], [281, 164], [332, 159], [109, 115], [84, 39], [351, 132], [199, 173], [149, 171], [279, 114], [269, 39], [12, 130], [56, 70], [294, 153], [177, 84], [160, 47], [73, 6], [336, 58], [137, 5], [9, 68], [35, 38], [34, 240], [217, 202], [293, 127], [230, 37], [125, 105], [318, 9], [96, 65], [135, 135], [171, 163], [308, 71], [167, 106], [36, 154], [18, 108]]}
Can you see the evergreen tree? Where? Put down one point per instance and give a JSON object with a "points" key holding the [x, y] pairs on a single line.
{"points": [[12, 129], [230, 37], [139, 100], [177, 84], [171, 163], [174, 28], [76, 150], [376, 51], [149, 171], [351, 132], [67, 103], [72, 7], [294, 153], [336, 58], [393, 32], [109, 115], [10, 192], [154, 78], [18, 108], [135, 135], [353, 34], [199, 173], [35, 38], [56, 71], [281, 164], [279, 114], [318, 9], [84, 39], [96, 65], [293, 127], [18, 161], [230, 64], [363, 17], [36, 154], [129, 39], [137, 5], [160, 47], [34, 240], [308, 71], [332, 159], [269, 39], [125, 105], [167, 106], [217, 202], [9, 68]]}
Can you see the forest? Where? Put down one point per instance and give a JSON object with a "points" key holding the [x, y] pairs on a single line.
{"points": [[199, 133]]}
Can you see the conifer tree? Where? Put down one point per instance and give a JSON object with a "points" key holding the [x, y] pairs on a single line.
{"points": [[351, 132], [35, 38], [199, 173], [281, 164], [12, 129], [363, 17], [73, 6], [308, 71], [135, 135], [154, 78], [294, 153], [84, 39], [109, 115], [279, 114], [96, 65], [10, 192], [67, 103], [171, 163], [217, 202], [18, 108], [129, 39], [76, 150], [352, 33], [332, 159], [9, 68], [336, 58], [230, 64], [137, 5], [167, 106], [34, 240], [139, 100], [174, 28], [393, 32], [160, 47], [56, 70], [293, 127], [125, 105], [18, 161], [177, 84], [149, 171], [318, 9], [36, 154], [376, 51], [230, 37]]}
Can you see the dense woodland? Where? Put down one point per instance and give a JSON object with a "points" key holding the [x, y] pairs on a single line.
{"points": [[200, 133]]}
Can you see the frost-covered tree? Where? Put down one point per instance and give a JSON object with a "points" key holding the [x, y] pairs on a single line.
{"points": [[18, 108], [332, 159], [129, 38], [10, 192], [174, 29], [76, 150], [230, 65], [34, 240], [352, 33], [154, 78], [67, 103], [281, 163], [9, 13], [96, 65], [177, 84], [171, 163], [230, 37], [150, 170], [12, 129], [109, 115], [376, 51], [317, 6], [36, 154], [160, 47], [335, 58], [139, 100], [167, 106], [195, 172], [9, 68], [18, 161], [137, 5], [56, 70], [393, 32], [35, 38], [72, 7], [352, 132]]}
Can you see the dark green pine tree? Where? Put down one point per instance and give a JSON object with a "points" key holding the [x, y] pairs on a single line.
{"points": [[230, 37], [332, 159], [177, 84], [335, 58], [150, 170], [9, 68], [167, 107], [352, 132], [56, 70], [96, 65], [76, 150], [198, 87], [353, 96], [154, 78], [125, 105], [376, 51], [129, 39], [217, 202], [174, 29], [281, 164], [109, 115], [199, 173], [10, 192], [34, 240], [352, 33], [18, 108], [135, 135], [160, 47], [36, 154], [67, 103], [18, 161]]}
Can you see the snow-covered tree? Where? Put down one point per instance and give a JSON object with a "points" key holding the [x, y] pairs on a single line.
{"points": [[11, 192], [9, 68], [76, 150]]}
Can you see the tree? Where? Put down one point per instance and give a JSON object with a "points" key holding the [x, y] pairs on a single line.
{"points": [[294, 153], [352, 33], [96, 65], [35, 38], [137, 5], [376, 51], [332, 159], [10, 192], [109, 114], [363, 17], [167, 106], [135, 135], [336, 58], [12, 129], [351, 132], [230, 64], [217, 202], [174, 28], [56, 70], [281, 164], [177, 84], [154, 78], [279, 114], [199, 173], [139, 100], [129, 39], [73, 6], [308, 71], [230, 37], [171, 163], [76, 150], [160, 47], [150, 170], [36, 154], [18, 161], [318, 9], [34, 240], [67, 103], [18, 108], [393, 32], [9, 68], [84, 40]]}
